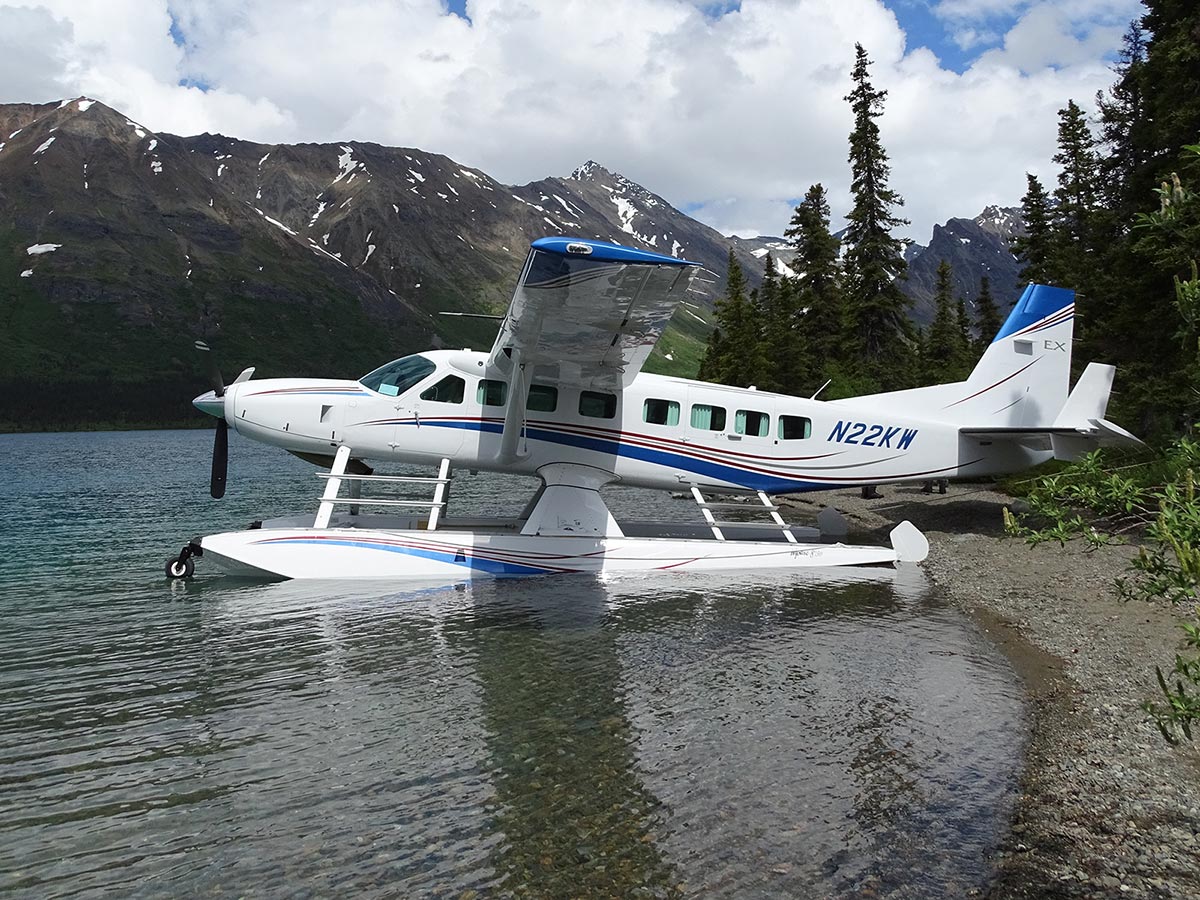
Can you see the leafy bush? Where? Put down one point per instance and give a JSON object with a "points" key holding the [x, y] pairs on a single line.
{"points": [[1105, 495]]}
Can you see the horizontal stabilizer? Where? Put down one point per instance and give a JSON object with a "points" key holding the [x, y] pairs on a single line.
{"points": [[1113, 435], [1029, 438], [1067, 443], [1088, 400]]}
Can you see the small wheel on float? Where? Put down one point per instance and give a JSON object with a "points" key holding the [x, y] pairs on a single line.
{"points": [[177, 568]]}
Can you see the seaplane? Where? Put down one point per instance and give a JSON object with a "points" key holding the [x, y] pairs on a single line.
{"points": [[562, 396]]}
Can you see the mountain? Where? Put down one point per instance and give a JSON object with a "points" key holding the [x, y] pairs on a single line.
{"points": [[974, 248], [120, 246]]}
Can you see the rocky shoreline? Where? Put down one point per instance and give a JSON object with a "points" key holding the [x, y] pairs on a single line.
{"points": [[1106, 806]]}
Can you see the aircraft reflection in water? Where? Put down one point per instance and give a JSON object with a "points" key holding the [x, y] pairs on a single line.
{"points": [[666, 736]]}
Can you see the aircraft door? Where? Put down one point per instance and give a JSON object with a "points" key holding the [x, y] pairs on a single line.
{"points": [[432, 420]]}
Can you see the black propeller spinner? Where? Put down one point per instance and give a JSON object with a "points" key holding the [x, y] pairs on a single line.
{"points": [[220, 458]]}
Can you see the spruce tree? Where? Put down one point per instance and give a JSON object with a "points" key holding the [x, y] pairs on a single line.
{"points": [[1123, 125], [820, 313], [735, 354], [944, 355], [781, 339], [1170, 83], [1035, 247], [877, 308], [712, 353], [1075, 199], [921, 352], [965, 342], [989, 317]]}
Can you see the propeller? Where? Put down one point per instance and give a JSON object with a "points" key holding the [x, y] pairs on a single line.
{"points": [[220, 461], [220, 457]]}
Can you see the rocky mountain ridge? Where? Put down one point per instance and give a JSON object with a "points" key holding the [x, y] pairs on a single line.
{"points": [[974, 248]]}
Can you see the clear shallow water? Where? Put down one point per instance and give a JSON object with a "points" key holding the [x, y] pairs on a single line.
{"points": [[835, 735]]}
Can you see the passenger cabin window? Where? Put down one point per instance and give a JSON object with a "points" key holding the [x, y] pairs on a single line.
{"points": [[491, 393], [449, 390], [597, 405], [542, 398], [755, 424], [708, 418], [660, 412], [794, 428], [398, 376]]}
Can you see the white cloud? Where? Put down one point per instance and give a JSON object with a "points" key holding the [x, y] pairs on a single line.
{"points": [[733, 111], [34, 49], [1061, 35], [969, 38]]}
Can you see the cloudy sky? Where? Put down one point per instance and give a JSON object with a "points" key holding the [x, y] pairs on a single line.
{"points": [[728, 110]]}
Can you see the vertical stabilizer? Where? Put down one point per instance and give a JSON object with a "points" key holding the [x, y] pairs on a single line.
{"points": [[1020, 381], [1024, 376]]}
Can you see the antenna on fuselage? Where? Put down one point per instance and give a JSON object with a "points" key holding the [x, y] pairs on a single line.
{"points": [[821, 388]]}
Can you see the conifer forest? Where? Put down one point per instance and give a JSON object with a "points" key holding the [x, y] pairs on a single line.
{"points": [[1121, 226]]}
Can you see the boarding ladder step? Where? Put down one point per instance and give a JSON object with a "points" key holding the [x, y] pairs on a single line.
{"points": [[765, 504], [337, 474]]}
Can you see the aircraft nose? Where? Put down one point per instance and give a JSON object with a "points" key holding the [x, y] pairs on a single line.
{"points": [[211, 404]]}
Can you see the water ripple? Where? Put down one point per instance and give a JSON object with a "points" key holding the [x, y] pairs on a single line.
{"points": [[835, 734]]}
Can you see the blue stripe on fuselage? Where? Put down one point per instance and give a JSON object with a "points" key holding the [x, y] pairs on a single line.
{"points": [[751, 480]]}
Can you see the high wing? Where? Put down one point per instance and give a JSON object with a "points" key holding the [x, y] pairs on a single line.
{"points": [[587, 313]]}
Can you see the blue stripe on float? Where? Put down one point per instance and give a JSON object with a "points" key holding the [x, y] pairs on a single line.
{"points": [[491, 566]]}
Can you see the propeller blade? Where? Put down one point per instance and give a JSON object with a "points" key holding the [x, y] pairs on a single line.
{"points": [[210, 363], [220, 460]]}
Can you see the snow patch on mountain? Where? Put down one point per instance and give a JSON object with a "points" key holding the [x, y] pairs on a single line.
{"points": [[274, 222], [346, 164]]}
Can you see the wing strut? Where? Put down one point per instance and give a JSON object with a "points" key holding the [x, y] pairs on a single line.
{"points": [[514, 413]]}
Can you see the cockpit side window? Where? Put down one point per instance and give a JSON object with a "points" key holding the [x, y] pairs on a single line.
{"points": [[398, 376], [449, 390]]}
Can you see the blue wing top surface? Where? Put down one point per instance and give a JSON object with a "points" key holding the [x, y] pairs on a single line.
{"points": [[588, 313], [604, 251]]}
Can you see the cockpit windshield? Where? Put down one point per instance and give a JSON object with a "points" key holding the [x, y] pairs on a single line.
{"points": [[398, 376]]}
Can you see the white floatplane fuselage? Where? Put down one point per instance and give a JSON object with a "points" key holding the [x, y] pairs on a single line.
{"points": [[561, 396], [660, 432]]}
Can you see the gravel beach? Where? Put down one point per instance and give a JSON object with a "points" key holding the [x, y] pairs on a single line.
{"points": [[1107, 807]]}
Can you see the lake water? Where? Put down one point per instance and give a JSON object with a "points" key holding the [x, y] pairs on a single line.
{"points": [[835, 734]]}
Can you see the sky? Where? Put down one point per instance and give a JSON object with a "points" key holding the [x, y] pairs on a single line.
{"points": [[728, 110]]}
